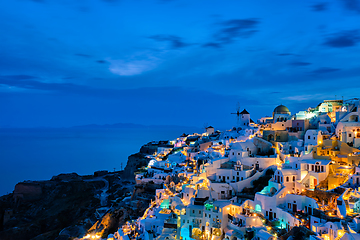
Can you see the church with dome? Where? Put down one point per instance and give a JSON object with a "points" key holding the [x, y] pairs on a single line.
{"points": [[281, 114]]}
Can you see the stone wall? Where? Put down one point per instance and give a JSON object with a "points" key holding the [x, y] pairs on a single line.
{"points": [[27, 191]]}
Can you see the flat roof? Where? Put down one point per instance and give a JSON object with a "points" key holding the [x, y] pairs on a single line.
{"points": [[313, 161]]}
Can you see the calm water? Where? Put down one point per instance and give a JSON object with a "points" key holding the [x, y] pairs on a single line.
{"points": [[39, 154]]}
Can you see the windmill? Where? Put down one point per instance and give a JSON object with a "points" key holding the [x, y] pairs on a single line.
{"points": [[205, 126], [237, 113]]}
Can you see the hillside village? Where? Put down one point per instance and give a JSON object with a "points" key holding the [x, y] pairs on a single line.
{"points": [[288, 176]]}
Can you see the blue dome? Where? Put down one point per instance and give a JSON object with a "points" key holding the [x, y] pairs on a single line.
{"points": [[281, 109]]}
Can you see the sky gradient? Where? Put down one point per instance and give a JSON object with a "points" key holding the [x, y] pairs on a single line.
{"points": [[172, 62]]}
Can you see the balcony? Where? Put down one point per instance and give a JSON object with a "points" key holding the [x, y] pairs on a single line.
{"points": [[216, 225], [236, 227], [196, 224]]}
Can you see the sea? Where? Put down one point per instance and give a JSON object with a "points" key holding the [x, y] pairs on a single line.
{"points": [[39, 154]]}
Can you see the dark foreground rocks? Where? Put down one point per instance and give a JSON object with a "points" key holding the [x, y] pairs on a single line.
{"points": [[40, 210], [69, 206]]}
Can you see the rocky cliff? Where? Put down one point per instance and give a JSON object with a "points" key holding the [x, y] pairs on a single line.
{"points": [[134, 162], [70, 206], [41, 209]]}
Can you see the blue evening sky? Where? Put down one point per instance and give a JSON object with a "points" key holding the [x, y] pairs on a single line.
{"points": [[174, 62]]}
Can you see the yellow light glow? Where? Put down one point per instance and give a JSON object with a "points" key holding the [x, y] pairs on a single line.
{"points": [[341, 233]]}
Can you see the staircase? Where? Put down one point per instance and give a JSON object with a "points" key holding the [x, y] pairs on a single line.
{"points": [[347, 205], [352, 226]]}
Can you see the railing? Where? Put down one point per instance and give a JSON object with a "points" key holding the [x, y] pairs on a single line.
{"points": [[196, 224], [216, 225], [234, 226]]}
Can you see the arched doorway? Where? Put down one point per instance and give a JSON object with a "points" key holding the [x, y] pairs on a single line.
{"points": [[270, 137], [257, 208], [185, 234]]}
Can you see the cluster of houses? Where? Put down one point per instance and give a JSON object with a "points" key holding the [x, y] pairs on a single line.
{"points": [[289, 175]]}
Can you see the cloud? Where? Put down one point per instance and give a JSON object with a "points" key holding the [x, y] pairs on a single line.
{"points": [[18, 77], [166, 1], [320, 7], [351, 5], [286, 54], [130, 68], [83, 55], [110, 1], [101, 61], [231, 30], [212, 44], [175, 41], [305, 97], [343, 39], [300, 64], [32, 82], [324, 70], [38, 1]]}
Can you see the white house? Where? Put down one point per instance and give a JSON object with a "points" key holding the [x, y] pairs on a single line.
{"points": [[311, 139]]}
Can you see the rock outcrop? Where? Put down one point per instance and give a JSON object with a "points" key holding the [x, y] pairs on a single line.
{"points": [[135, 161], [40, 210], [66, 206]]}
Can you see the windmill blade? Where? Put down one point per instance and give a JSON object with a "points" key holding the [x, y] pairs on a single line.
{"points": [[238, 108]]}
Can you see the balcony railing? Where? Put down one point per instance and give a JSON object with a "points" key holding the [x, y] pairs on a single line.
{"points": [[196, 224], [216, 225]]}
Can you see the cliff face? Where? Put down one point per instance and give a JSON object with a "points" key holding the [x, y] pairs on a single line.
{"points": [[46, 207], [132, 201], [27, 192], [135, 161], [127, 209], [69, 203]]}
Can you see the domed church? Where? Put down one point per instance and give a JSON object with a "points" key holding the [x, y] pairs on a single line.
{"points": [[281, 114]]}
